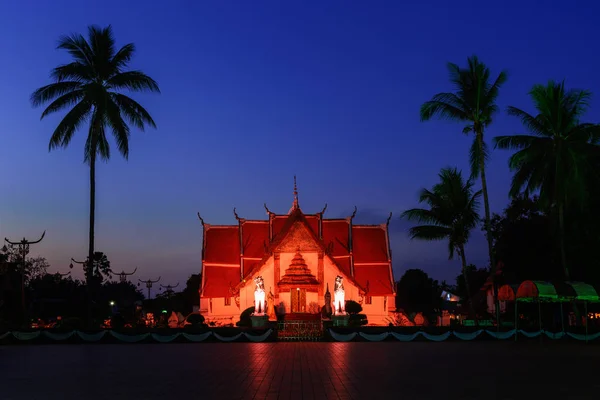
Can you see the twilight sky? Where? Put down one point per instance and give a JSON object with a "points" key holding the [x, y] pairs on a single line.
{"points": [[255, 92]]}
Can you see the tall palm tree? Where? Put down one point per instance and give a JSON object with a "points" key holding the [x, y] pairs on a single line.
{"points": [[473, 102], [451, 215], [91, 87], [556, 158]]}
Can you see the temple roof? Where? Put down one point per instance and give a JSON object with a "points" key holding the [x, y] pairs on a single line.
{"points": [[361, 252]]}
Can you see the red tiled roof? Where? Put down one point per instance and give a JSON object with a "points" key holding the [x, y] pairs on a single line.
{"points": [[218, 280], [278, 223], [255, 235], [336, 232], [374, 278], [369, 244], [250, 265], [313, 222], [344, 264], [222, 245]]}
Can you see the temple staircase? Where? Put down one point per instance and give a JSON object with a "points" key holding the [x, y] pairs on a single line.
{"points": [[300, 327]]}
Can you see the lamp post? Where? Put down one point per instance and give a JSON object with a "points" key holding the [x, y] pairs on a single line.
{"points": [[149, 284], [89, 276], [123, 275], [169, 289], [24, 249]]}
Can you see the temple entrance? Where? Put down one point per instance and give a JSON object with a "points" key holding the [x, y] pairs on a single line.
{"points": [[298, 300]]}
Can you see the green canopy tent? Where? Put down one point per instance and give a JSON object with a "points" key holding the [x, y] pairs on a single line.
{"points": [[538, 291], [586, 293]]}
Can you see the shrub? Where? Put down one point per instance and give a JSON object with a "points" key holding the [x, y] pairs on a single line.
{"points": [[357, 320], [352, 307], [245, 317], [71, 323], [117, 321], [195, 319]]}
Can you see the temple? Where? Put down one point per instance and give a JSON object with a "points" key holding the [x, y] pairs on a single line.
{"points": [[299, 256]]}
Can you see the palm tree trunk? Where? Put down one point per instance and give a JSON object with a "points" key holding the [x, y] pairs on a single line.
{"points": [[561, 239], [90, 260], [90, 269], [463, 259], [487, 223]]}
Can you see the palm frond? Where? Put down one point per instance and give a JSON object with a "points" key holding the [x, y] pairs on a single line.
{"points": [[516, 142], [421, 215], [52, 91], [133, 111], [122, 57], [77, 47], [64, 101], [70, 123], [119, 128], [102, 42], [533, 124], [74, 71], [135, 81], [429, 232]]}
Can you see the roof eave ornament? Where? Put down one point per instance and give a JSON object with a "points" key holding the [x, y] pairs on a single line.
{"points": [[237, 217], [269, 212], [387, 223], [323, 210], [201, 219]]}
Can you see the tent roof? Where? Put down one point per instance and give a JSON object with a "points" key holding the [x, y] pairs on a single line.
{"points": [[507, 292], [584, 291], [530, 290]]}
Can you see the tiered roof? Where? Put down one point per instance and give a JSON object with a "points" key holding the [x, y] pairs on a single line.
{"points": [[232, 253]]}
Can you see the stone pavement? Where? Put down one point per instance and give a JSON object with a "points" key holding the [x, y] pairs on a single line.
{"points": [[416, 370]]}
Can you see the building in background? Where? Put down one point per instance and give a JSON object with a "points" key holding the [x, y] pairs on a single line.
{"points": [[298, 256]]}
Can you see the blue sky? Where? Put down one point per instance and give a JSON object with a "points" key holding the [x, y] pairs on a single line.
{"points": [[255, 92]]}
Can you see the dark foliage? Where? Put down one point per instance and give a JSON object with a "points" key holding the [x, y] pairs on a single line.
{"points": [[417, 292], [352, 307], [245, 317]]}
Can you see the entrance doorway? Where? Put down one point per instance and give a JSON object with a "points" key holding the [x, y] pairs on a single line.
{"points": [[298, 300]]}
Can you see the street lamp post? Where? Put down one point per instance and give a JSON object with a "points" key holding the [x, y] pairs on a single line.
{"points": [[123, 275], [169, 289], [24, 249], [149, 284], [89, 275]]}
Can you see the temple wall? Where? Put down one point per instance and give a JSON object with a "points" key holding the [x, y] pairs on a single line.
{"points": [[284, 302], [215, 310], [377, 312]]}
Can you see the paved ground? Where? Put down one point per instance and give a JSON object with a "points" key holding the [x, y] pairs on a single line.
{"points": [[441, 371]]}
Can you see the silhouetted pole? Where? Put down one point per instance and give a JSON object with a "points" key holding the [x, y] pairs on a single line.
{"points": [[123, 275], [89, 275], [169, 289], [24, 249], [149, 284]]}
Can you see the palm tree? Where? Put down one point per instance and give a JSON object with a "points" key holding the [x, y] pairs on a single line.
{"points": [[451, 215], [90, 87], [556, 158], [474, 103]]}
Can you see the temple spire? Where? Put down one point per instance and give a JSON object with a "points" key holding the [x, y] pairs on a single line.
{"points": [[295, 204], [295, 193]]}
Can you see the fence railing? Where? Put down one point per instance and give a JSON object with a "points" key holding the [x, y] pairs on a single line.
{"points": [[300, 330]]}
